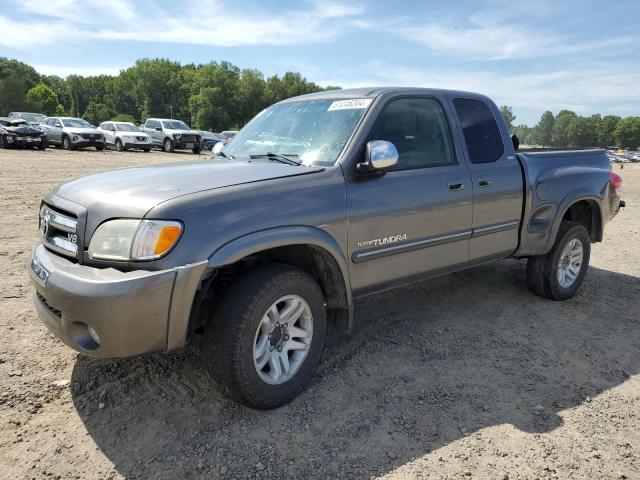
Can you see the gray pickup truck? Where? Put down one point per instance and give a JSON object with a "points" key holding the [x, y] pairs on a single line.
{"points": [[319, 200]]}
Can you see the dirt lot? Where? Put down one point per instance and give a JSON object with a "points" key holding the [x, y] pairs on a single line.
{"points": [[465, 376]]}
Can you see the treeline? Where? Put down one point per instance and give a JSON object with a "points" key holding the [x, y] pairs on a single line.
{"points": [[567, 129], [213, 96]]}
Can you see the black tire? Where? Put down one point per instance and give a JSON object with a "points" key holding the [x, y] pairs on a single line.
{"points": [[146, 150], [168, 146], [43, 144], [542, 271], [3, 142], [99, 148], [196, 150], [230, 336], [66, 143], [119, 146]]}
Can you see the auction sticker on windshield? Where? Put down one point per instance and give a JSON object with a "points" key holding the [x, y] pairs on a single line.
{"points": [[349, 104]]}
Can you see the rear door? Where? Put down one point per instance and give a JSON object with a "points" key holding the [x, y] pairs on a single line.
{"points": [[497, 180], [415, 219]]}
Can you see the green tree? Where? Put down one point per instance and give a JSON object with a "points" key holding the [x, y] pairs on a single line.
{"points": [[627, 133], [606, 130], [26, 74], [59, 110], [44, 97], [96, 113], [559, 137], [13, 96], [509, 117], [123, 117], [543, 132]]}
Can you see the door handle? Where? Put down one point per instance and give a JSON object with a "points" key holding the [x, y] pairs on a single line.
{"points": [[455, 185], [484, 182]]}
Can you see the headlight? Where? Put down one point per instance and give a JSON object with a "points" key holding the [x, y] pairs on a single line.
{"points": [[128, 239], [176, 136]]}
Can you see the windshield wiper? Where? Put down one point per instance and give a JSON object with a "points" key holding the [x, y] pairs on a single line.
{"points": [[277, 157]]}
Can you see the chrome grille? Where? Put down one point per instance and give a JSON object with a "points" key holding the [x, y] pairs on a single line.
{"points": [[59, 231]]}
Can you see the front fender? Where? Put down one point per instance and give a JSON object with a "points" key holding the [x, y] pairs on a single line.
{"points": [[267, 239]]}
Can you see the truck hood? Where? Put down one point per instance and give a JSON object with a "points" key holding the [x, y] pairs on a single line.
{"points": [[181, 132], [133, 191]]}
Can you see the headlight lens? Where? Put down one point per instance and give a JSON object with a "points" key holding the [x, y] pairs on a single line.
{"points": [[128, 239], [177, 135]]}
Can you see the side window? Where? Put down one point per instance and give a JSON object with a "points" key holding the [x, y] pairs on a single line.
{"points": [[481, 132], [57, 123], [418, 128]]}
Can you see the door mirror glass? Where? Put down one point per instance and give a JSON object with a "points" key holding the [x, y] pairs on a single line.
{"points": [[380, 155], [158, 129], [217, 148], [516, 142]]}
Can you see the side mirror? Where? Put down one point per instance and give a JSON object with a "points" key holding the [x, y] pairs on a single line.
{"points": [[217, 148], [158, 129], [380, 155], [516, 142]]}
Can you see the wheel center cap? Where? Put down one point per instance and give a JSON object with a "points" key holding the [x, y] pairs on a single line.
{"points": [[275, 336]]}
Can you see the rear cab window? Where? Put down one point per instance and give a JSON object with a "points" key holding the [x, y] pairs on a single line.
{"points": [[481, 132]]}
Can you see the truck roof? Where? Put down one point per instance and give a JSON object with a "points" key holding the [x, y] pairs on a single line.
{"points": [[372, 92]]}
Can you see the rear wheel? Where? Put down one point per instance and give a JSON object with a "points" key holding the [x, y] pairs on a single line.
{"points": [[196, 150], [266, 336], [168, 145], [559, 274]]}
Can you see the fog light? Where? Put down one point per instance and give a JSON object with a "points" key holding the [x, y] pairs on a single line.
{"points": [[84, 336], [75, 138]]}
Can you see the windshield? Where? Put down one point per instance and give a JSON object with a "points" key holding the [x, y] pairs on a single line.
{"points": [[33, 117], [315, 131], [76, 122], [175, 125], [127, 127]]}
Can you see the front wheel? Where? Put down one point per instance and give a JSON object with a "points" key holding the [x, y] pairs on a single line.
{"points": [[43, 145], [266, 336], [559, 274], [168, 145], [3, 141], [119, 146], [196, 150], [66, 143]]}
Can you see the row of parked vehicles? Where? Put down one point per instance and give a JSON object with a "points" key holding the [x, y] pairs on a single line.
{"points": [[23, 129]]}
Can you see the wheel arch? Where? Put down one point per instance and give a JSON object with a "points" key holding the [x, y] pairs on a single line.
{"points": [[308, 248], [584, 208]]}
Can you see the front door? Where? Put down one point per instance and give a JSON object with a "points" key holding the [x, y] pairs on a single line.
{"points": [[414, 220]]}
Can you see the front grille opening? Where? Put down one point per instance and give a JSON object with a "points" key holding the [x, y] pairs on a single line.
{"points": [[59, 232], [53, 310]]}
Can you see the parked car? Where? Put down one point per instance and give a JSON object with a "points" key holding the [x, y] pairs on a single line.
{"points": [[71, 133], [209, 139], [16, 132], [319, 200], [170, 134], [125, 135], [229, 133], [32, 118]]}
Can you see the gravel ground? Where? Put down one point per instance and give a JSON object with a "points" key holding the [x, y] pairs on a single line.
{"points": [[465, 376]]}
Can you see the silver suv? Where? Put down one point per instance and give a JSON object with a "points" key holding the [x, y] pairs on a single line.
{"points": [[72, 133], [171, 134]]}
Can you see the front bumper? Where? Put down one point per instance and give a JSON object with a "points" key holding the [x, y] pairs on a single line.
{"points": [[87, 143], [132, 312], [141, 145], [25, 141]]}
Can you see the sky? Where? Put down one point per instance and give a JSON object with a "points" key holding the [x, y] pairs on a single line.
{"points": [[532, 55]]}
